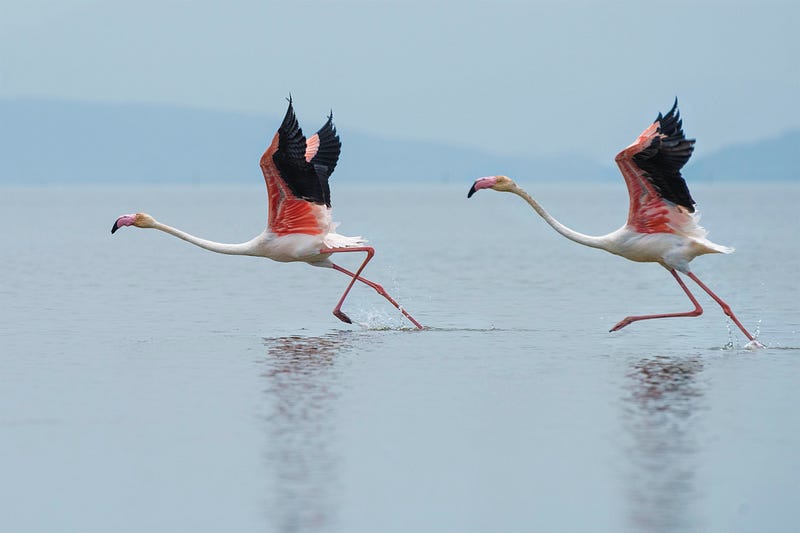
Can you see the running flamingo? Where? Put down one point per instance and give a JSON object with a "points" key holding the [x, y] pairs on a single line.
{"points": [[299, 227], [662, 225]]}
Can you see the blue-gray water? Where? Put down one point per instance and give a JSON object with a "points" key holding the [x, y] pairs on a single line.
{"points": [[148, 385]]}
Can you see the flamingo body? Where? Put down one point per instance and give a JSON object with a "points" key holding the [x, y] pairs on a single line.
{"points": [[299, 227], [662, 225], [672, 250]]}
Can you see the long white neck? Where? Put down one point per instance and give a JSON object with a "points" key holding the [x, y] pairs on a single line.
{"points": [[580, 238], [219, 247]]}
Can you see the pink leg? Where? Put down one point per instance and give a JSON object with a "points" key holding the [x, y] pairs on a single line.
{"points": [[696, 312], [337, 311], [725, 307]]}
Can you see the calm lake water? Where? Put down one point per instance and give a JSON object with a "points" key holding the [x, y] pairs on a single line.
{"points": [[148, 385]]}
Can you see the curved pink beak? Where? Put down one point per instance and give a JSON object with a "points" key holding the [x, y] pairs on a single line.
{"points": [[124, 220], [482, 183]]}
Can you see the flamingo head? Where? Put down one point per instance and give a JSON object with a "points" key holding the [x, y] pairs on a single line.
{"points": [[140, 220], [498, 183]]}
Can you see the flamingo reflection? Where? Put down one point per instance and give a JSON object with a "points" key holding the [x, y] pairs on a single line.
{"points": [[664, 399], [302, 388]]}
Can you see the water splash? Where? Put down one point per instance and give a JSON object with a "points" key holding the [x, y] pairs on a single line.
{"points": [[381, 320], [732, 343], [754, 345]]}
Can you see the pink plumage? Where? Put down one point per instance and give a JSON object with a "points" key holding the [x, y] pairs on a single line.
{"points": [[662, 225], [299, 227]]}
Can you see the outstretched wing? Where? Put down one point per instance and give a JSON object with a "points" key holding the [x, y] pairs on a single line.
{"points": [[651, 166], [298, 196], [322, 151]]}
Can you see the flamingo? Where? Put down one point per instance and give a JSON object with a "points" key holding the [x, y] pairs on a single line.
{"points": [[662, 225], [299, 228]]}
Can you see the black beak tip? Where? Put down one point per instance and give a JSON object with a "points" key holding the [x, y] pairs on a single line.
{"points": [[471, 191], [114, 228]]}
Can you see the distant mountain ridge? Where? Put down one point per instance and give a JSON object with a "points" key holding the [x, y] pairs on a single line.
{"points": [[771, 159], [53, 142]]}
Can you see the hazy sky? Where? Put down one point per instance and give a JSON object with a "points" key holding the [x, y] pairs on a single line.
{"points": [[511, 77]]}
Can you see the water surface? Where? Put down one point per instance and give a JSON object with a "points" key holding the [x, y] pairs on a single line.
{"points": [[147, 385]]}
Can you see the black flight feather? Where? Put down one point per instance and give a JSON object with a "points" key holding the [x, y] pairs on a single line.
{"points": [[290, 158], [327, 156], [663, 159]]}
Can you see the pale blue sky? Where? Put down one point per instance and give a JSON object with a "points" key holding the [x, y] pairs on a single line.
{"points": [[511, 77]]}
